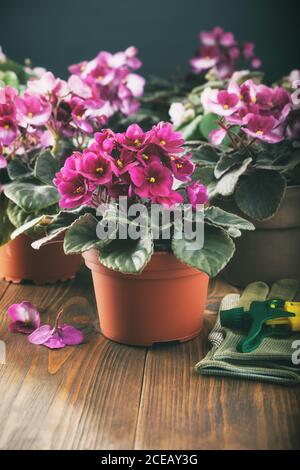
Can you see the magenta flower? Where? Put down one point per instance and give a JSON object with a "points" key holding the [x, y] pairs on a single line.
{"points": [[3, 162], [25, 318], [151, 180], [32, 110], [134, 138], [221, 102], [171, 200], [197, 194], [75, 190], [96, 167], [105, 141], [264, 128], [57, 337], [48, 86], [8, 130], [220, 51], [182, 167], [165, 137]]}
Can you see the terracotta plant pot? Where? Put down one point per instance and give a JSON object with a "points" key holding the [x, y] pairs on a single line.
{"points": [[272, 251], [164, 303], [19, 261]]}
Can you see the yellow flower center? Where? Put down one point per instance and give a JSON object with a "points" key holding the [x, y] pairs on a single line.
{"points": [[78, 116], [79, 190], [259, 132], [100, 77], [207, 57], [145, 157], [6, 126], [253, 100], [179, 165], [163, 142], [30, 114], [152, 180], [225, 106], [100, 170], [136, 142], [120, 163]]}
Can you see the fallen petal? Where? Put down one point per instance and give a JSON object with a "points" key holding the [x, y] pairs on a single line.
{"points": [[41, 335], [70, 335]]}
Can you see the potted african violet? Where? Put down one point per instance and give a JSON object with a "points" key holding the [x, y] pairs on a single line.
{"points": [[150, 275], [252, 169], [41, 122]]}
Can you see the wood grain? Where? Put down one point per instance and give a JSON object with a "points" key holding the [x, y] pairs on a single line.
{"points": [[102, 395], [84, 397]]}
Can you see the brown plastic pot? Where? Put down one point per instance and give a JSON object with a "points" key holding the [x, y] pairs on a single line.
{"points": [[272, 251], [19, 261], [164, 303]]}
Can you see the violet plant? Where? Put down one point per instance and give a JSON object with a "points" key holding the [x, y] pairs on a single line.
{"points": [[43, 122], [255, 154], [149, 167]]}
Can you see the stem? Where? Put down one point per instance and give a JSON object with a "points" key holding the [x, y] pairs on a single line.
{"points": [[56, 325]]}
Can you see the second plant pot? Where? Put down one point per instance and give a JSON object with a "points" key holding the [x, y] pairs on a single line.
{"points": [[272, 251], [19, 261], [164, 303]]}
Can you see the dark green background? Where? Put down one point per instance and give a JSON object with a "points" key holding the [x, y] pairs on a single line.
{"points": [[60, 32]]}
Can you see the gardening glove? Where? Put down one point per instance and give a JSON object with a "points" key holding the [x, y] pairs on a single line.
{"points": [[271, 361]]}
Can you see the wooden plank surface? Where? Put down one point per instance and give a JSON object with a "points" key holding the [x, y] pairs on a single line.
{"points": [[102, 395]]}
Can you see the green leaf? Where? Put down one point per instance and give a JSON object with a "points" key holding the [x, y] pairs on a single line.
{"points": [[17, 169], [191, 130], [46, 167], [127, 256], [226, 185], [227, 161], [218, 249], [205, 174], [222, 218], [205, 154], [207, 124], [31, 197], [6, 227], [82, 235], [259, 194]]}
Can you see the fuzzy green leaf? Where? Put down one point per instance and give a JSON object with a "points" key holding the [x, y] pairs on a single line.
{"points": [[259, 194], [127, 256], [222, 218], [82, 235], [218, 249], [31, 197], [46, 167]]}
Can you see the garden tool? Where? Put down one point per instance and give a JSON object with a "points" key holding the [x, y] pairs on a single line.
{"points": [[271, 361], [273, 317]]}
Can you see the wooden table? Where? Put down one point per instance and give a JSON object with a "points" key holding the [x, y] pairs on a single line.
{"points": [[102, 395]]}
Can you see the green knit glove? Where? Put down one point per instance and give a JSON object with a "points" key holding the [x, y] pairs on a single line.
{"points": [[271, 361]]}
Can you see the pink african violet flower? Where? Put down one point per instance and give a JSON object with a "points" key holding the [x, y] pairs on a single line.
{"points": [[134, 138], [96, 167], [182, 167], [220, 102], [217, 136], [3, 162], [8, 130], [32, 110], [171, 200], [220, 51], [25, 316], [48, 86], [197, 194], [152, 180], [74, 189], [263, 128], [165, 137], [57, 337]]}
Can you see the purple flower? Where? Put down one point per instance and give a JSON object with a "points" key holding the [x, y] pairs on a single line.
{"points": [[169, 201], [25, 318], [197, 194], [151, 180], [134, 138], [57, 337], [8, 130]]}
